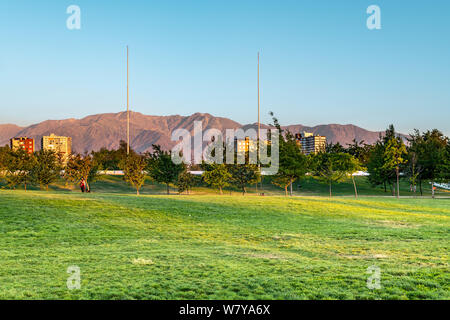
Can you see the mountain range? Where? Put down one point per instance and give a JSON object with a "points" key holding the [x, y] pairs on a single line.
{"points": [[107, 129]]}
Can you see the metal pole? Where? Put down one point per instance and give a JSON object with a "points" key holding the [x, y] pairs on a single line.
{"points": [[128, 109], [259, 127]]}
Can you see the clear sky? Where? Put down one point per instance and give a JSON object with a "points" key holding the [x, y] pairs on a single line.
{"points": [[319, 62]]}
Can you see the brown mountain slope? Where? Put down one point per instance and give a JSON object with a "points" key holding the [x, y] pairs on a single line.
{"points": [[106, 130], [8, 131]]}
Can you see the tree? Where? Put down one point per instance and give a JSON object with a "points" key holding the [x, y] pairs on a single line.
{"points": [[106, 159], [412, 170], [378, 174], [46, 169], [360, 150], [244, 174], [161, 167], [444, 165], [79, 168], [133, 170], [186, 181], [293, 164], [394, 157], [334, 148], [332, 167], [17, 166], [3, 155], [217, 176], [430, 151]]}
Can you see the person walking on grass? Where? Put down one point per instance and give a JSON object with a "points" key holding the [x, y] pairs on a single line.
{"points": [[82, 185]]}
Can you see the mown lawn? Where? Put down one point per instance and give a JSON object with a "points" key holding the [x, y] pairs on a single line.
{"points": [[221, 247]]}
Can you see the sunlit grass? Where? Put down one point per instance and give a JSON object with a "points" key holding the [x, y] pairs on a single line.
{"points": [[224, 247]]}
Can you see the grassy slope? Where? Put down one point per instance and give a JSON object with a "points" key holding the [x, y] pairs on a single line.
{"points": [[204, 247]]}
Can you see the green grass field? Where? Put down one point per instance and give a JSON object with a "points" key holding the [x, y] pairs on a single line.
{"points": [[220, 247]]}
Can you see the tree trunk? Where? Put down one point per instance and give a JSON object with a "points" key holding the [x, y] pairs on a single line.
{"points": [[46, 187], [220, 190], [168, 190], [330, 189], [398, 184], [25, 186], [137, 191], [432, 190], [285, 190], [243, 191], [385, 188], [354, 186], [420, 186], [290, 189]]}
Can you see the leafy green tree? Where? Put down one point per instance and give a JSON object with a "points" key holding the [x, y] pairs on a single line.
{"points": [[412, 171], [361, 151], [332, 167], [17, 166], [335, 148], [429, 149], [134, 170], [47, 168], [293, 164], [217, 176], [161, 167], [444, 165], [3, 156], [394, 158], [186, 181], [244, 174], [378, 174], [79, 168], [105, 159]]}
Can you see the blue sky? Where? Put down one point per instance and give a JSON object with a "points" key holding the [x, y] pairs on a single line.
{"points": [[319, 62]]}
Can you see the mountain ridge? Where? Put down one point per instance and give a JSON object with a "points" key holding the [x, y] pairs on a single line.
{"points": [[107, 129]]}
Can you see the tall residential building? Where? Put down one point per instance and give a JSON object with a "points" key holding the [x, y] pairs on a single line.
{"points": [[311, 143], [245, 145], [24, 143], [61, 145]]}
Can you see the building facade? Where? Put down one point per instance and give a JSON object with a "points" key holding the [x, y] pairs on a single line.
{"points": [[61, 145], [244, 145], [311, 143], [23, 143]]}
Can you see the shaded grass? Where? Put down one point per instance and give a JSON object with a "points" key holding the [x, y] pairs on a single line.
{"points": [[305, 187], [221, 247]]}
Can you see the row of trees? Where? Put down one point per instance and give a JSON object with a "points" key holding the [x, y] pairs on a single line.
{"points": [[21, 168], [417, 158], [425, 157]]}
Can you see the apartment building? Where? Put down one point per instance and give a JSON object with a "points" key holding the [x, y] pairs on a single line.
{"points": [[311, 143], [244, 145], [59, 144], [23, 143]]}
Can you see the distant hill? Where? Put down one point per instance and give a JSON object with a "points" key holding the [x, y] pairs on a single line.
{"points": [[7, 131], [106, 130]]}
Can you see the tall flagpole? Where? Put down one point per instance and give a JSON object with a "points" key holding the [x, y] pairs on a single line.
{"points": [[128, 109], [259, 125], [259, 128]]}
